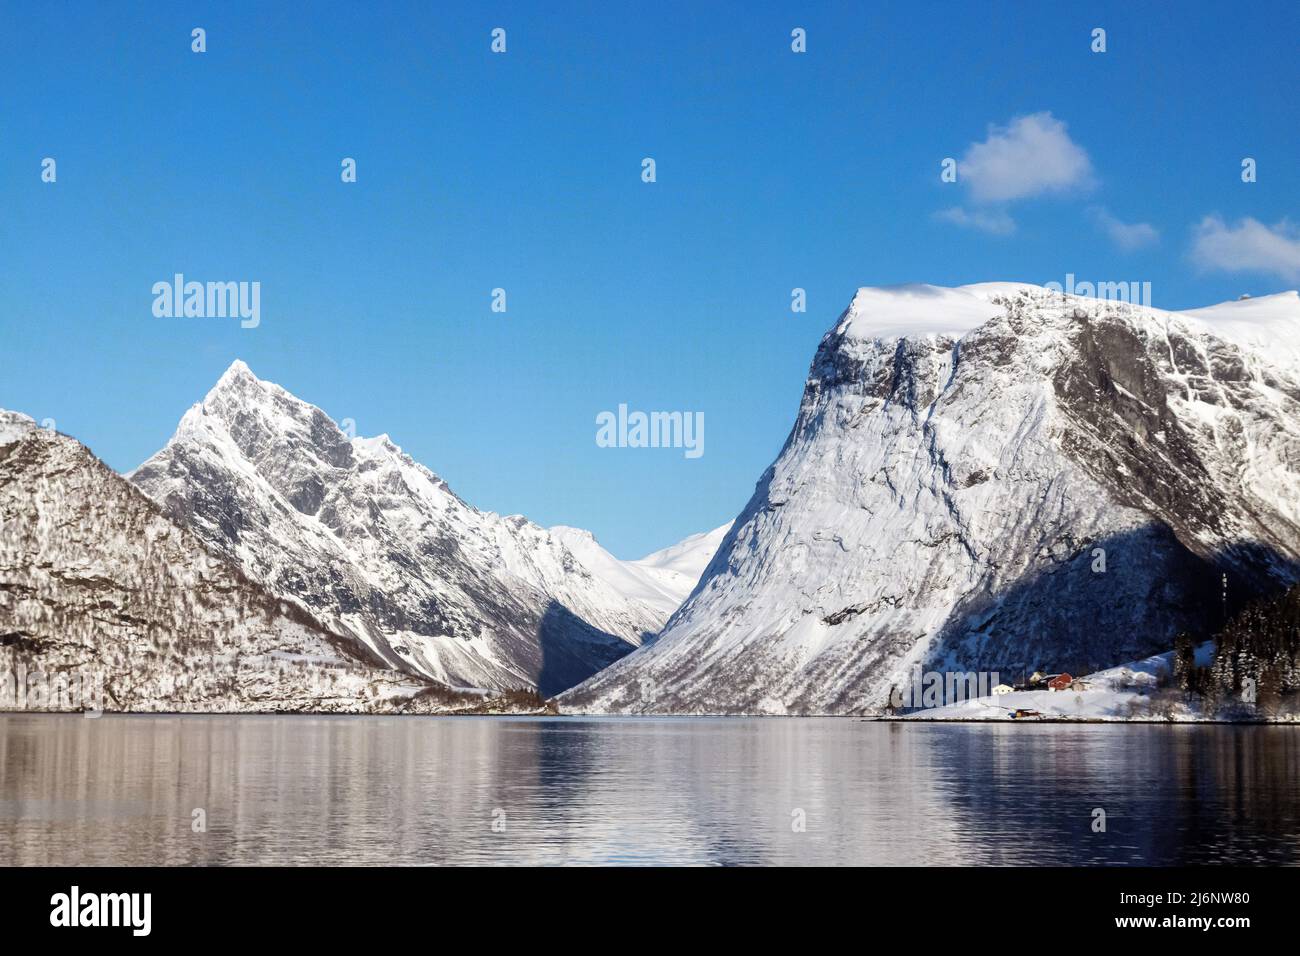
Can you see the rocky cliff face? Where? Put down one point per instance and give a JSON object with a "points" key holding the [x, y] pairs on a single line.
{"points": [[380, 549], [107, 604], [994, 478]]}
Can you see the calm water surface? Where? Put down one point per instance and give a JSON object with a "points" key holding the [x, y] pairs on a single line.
{"points": [[412, 790]]}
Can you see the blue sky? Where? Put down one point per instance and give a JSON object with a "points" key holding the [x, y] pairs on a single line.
{"points": [[522, 171]]}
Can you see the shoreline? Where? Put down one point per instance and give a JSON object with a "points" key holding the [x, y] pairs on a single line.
{"points": [[861, 718]]}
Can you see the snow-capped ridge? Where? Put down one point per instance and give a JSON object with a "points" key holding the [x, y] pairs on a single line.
{"points": [[662, 586], [678, 567], [382, 440], [919, 309], [687, 552], [1267, 325]]}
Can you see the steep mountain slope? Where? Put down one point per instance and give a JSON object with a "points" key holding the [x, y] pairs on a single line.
{"points": [[997, 478], [378, 547], [106, 604]]}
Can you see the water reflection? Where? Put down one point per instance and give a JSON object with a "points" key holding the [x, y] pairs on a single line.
{"points": [[373, 790]]}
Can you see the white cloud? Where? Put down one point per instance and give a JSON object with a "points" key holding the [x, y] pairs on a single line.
{"points": [[1250, 246], [1127, 235], [996, 221], [1032, 155]]}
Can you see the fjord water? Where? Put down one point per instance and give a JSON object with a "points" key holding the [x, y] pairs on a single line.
{"points": [[413, 790]]}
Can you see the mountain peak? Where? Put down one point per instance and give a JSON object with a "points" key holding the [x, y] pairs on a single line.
{"points": [[238, 378], [240, 398], [238, 371]]}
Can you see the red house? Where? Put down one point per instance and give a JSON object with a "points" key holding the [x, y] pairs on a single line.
{"points": [[1060, 682]]}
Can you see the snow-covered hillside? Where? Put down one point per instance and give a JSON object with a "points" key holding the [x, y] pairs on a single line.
{"points": [[661, 580], [996, 477], [1125, 692], [379, 547], [676, 569], [1265, 326]]}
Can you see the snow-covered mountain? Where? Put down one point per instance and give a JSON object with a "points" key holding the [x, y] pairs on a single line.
{"points": [[677, 568], [661, 580], [1000, 478], [107, 604], [379, 547]]}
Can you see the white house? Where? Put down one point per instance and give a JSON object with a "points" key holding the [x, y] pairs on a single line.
{"points": [[1003, 689]]}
